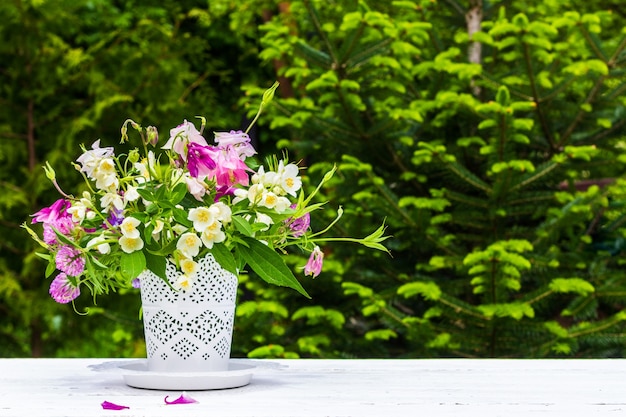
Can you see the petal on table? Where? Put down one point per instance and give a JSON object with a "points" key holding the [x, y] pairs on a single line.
{"points": [[183, 399], [106, 405]]}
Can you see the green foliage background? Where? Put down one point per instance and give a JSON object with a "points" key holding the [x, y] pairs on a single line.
{"points": [[496, 157]]}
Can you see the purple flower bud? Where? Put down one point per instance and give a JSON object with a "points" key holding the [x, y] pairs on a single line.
{"points": [[314, 265]]}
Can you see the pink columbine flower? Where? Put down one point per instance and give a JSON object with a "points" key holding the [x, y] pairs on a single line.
{"points": [[70, 260], [52, 213], [201, 159], [238, 140], [231, 170], [183, 399], [314, 265], [62, 290]]}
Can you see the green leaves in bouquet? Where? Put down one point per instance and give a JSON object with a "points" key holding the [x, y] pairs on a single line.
{"points": [[132, 264], [225, 258], [269, 265]]}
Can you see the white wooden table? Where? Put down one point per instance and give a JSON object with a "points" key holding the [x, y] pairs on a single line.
{"points": [[386, 388]]}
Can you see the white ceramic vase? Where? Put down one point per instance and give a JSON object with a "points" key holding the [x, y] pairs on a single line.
{"points": [[189, 331]]}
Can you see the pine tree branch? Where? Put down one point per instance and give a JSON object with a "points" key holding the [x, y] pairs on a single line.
{"points": [[536, 98]]}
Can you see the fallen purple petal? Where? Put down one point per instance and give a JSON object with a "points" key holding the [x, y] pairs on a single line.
{"points": [[183, 399], [106, 405]]}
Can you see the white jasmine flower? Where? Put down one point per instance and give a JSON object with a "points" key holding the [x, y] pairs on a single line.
{"points": [[223, 212], [131, 194], [156, 233], [213, 234], [99, 242], [189, 244], [189, 267], [129, 244], [289, 179], [202, 217], [268, 199], [112, 200], [129, 227], [183, 283]]}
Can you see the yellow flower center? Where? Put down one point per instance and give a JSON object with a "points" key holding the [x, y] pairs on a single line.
{"points": [[270, 200], [203, 216]]}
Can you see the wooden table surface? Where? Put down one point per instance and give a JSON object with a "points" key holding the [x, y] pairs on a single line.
{"points": [[314, 387]]}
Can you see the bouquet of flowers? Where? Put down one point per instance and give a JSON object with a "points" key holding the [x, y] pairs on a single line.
{"points": [[148, 207]]}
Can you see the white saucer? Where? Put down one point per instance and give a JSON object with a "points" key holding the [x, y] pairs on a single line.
{"points": [[136, 375]]}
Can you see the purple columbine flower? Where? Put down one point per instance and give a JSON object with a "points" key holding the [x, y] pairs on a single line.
{"points": [[200, 159], [116, 217], [70, 261], [300, 225], [238, 140], [62, 290], [314, 265]]}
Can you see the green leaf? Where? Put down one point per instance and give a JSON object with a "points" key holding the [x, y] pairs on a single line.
{"points": [[178, 193], [132, 264], [225, 258], [180, 216], [163, 251], [50, 268], [156, 263], [269, 265], [242, 226]]}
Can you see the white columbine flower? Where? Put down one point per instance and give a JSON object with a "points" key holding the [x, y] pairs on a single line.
{"points": [[189, 244], [129, 227], [195, 187]]}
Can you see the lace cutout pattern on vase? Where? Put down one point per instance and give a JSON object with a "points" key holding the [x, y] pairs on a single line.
{"points": [[189, 331]]}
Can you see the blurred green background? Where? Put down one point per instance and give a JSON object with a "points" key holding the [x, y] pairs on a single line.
{"points": [[489, 134]]}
